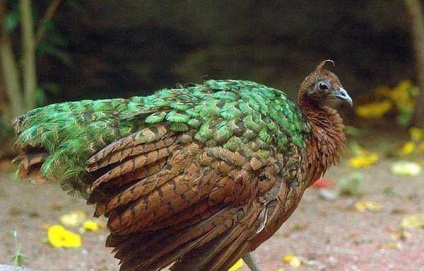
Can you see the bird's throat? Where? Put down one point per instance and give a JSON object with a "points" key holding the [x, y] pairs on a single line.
{"points": [[326, 144]]}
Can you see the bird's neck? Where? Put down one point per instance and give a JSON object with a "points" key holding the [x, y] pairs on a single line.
{"points": [[326, 145]]}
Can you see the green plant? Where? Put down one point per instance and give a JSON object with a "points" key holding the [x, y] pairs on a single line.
{"points": [[18, 257]]}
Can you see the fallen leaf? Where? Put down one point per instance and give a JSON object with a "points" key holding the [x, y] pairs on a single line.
{"points": [[407, 148], [372, 206], [323, 183], [413, 221], [405, 168], [239, 264], [363, 161], [58, 236], [293, 260], [91, 225], [73, 219], [390, 245]]}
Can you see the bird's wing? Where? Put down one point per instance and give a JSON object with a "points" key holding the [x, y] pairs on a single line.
{"points": [[167, 196]]}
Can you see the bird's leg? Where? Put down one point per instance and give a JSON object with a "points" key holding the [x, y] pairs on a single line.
{"points": [[250, 261]]}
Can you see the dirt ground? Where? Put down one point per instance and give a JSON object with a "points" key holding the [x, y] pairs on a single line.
{"points": [[325, 234]]}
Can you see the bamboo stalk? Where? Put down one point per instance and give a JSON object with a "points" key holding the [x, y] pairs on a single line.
{"points": [[9, 69], [415, 13], [28, 54]]}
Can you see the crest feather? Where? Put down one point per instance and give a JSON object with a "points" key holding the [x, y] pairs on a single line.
{"points": [[321, 65]]}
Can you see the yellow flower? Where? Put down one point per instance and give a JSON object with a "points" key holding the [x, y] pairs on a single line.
{"points": [[91, 225], [407, 148], [292, 260], [372, 206], [237, 265], [374, 110], [363, 160], [58, 236]]}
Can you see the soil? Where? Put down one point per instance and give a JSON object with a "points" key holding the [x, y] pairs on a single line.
{"points": [[325, 234]]}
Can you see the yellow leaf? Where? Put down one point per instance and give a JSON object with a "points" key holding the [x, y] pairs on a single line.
{"points": [[400, 94], [372, 206], [73, 219], [239, 264], [389, 245], [58, 236], [407, 148], [363, 160], [373, 110], [91, 225], [416, 133], [406, 168], [292, 260], [413, 221]]}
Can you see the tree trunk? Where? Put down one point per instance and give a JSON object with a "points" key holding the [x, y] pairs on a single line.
{"points": [[414, 11], [9, 70], [28, 54]]}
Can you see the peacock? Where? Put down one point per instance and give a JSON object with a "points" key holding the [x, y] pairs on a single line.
{"points": [[195, 176]]}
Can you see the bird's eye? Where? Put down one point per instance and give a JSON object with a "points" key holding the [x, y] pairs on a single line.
{"points": [[323, 86]]}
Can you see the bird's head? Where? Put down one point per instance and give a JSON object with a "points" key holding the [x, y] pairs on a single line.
{"points": [[322, 85]]}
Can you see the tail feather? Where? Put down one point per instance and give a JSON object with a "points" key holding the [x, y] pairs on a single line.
{"points": [[172, 246], [233, 250], [200, 256], [29, 165], [233, 240], [124, 243]]}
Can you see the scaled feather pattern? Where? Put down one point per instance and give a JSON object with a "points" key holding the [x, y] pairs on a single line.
{"points": [[194, 176]]}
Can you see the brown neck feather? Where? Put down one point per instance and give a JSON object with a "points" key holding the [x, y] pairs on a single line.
{"points": [[326, 145]]}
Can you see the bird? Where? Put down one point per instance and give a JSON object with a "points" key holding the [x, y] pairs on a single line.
{"points": [[193, 177]]}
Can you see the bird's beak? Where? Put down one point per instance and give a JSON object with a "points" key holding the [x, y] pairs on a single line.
{"points": [[341, 94]]}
